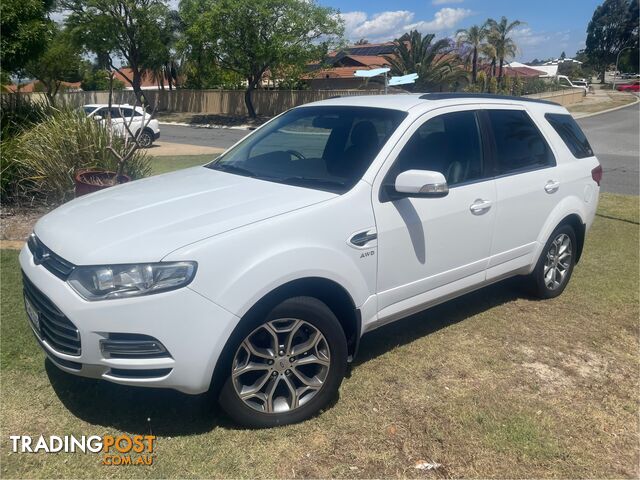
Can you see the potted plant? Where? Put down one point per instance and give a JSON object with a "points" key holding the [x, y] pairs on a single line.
{"points": [[89, 180]]}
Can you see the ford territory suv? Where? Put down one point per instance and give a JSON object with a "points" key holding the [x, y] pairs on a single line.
{"points": [[256, 275]]}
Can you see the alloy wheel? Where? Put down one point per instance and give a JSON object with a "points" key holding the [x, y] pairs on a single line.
{"points": [[558, 261], [281, 365], [144, 140]]}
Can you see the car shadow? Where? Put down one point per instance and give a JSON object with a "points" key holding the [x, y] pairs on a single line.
{"points": [[428, 321], [170, 413], [152, 411]]}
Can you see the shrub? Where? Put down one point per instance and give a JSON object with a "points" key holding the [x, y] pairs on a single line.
{"points": [[481, 81], [535, 85], [518, 86], [493, 85], [48, 155], [507, 86], [18, 113]]}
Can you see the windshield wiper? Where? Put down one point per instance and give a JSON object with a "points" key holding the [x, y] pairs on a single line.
{"points": [[229, 168]]}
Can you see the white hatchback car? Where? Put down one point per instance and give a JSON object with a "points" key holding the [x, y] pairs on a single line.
{"points": [[136, 118], [257, 274]]}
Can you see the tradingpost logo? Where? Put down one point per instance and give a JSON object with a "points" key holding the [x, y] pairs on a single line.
{"points": [[116, 450]]}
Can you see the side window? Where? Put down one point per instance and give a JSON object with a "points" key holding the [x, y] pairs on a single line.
{"points": [[115, 112], [571, 134], [449, 144], [519, 144]]}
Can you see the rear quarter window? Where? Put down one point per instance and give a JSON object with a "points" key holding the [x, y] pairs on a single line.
{"points": [[571, 134], [519, 144]]}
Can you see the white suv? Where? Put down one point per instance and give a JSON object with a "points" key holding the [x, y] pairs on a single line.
{"points": [[256, 275], [136, 118]]}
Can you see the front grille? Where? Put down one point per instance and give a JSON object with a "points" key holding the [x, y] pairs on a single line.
{"points": [[54, 327], [42, 255]]}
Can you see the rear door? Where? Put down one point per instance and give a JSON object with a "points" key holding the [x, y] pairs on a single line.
{"points": [[527, 185]]}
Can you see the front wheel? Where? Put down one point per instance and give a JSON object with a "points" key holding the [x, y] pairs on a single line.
{"points": [[555, 266], [145, 139], [286, 367]]}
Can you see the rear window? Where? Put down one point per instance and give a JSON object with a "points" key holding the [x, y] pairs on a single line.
{"points": [[571, 134], [519, 144]]}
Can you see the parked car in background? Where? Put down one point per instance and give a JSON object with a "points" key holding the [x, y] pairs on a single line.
{"points": [[629, 87], [564, 81], [256, 275], [144, 128]]}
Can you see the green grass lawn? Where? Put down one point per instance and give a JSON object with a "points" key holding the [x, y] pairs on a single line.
{"points": [[166, 164], [494, 384]]}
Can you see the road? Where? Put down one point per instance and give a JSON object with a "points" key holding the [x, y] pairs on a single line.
{"points": [[613, 136], [205, 137], [615, 139]]}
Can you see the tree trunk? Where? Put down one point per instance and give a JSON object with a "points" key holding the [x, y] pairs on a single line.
{"points": [[500, 71], [474, 68], [603, 73], [247, 98], [136, 84]]}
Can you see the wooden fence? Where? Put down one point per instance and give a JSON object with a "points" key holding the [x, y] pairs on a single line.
{"points": [[222, 102], [231, 102]]}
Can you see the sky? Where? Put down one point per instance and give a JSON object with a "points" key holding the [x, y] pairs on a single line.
{"points": [[551, 26]]}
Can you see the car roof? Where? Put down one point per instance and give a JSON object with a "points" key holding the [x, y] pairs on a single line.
{"points": [[406, 102]]}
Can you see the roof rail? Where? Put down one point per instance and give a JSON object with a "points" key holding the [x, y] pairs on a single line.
{"points": [[453, 95]]}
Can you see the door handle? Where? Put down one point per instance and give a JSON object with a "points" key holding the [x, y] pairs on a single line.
{"points": [[552, 186], [480, 206]]}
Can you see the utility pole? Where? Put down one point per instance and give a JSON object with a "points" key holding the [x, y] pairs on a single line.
{"points": [[615, 72]]}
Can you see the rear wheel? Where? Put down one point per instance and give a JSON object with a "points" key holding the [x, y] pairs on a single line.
{"points": [[286, 367], [555, 265]]}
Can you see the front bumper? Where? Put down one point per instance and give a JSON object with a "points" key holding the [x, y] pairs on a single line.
{"points": [[193, 329]]}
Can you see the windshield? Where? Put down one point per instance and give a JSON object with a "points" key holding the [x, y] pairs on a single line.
{"points": [[326, 148]]}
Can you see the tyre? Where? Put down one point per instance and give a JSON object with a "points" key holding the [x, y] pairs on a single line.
{"points": [[555, 265], [145, 139], [285, 367]]}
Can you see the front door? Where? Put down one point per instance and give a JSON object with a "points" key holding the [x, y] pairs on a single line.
{"points": [[431, 247]]}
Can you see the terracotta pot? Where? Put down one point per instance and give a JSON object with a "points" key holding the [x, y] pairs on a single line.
{"points": [[89, 181]]}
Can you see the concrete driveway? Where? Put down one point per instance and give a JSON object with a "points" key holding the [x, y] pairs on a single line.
{"points": [[613, 136]]}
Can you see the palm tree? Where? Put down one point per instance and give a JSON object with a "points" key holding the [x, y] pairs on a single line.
{"points": [[432, 61], [489, 51], [473, 38], [499, 37]]}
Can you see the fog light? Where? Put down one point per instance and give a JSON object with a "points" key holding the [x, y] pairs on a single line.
{"points": [[121, 345]]}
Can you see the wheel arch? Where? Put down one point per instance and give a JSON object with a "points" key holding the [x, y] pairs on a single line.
{"points": [[570, 211], [579, 227], [331, 293]]}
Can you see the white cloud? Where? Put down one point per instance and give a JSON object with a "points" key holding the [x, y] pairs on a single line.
{"points": [[393, 23], [526, 37], [444, 19], [352, 20], [384, 23], [445, 2]]}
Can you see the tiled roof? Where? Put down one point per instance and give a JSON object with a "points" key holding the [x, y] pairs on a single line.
{"points": [[33, 86]]}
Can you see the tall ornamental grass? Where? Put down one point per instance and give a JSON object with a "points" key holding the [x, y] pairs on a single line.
{"points": [[46, 157]]}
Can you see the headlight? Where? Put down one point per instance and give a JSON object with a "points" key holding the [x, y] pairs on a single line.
{"points": [[123, 281]]}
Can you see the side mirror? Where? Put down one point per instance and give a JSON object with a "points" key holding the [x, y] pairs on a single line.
{"points": [[421, 183], [97, 118]]}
